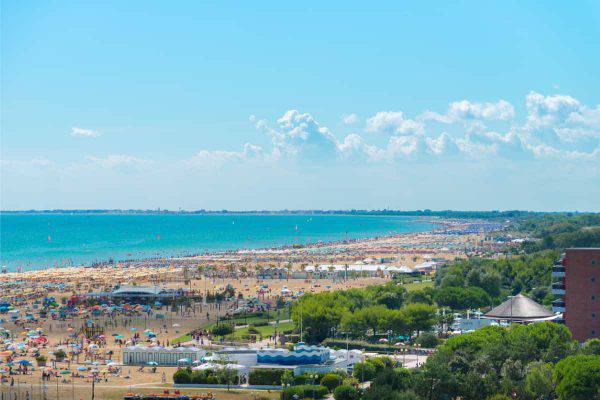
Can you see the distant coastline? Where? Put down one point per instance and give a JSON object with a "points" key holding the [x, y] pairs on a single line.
{"points": [[365, 212]]}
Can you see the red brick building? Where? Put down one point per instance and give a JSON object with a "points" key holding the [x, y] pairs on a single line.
{"points": [[577, 285]]}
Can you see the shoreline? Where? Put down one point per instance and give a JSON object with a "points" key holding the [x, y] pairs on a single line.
{"points": [[444, 223], [399, 243]]}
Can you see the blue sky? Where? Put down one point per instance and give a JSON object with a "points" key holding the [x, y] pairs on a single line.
{"points": [[272, 105]]}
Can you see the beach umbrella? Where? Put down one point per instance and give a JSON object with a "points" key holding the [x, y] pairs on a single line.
{"points": [[152, 363], [24, 362], [184, 361], [134, 329], [81, 368], [65, 372], [176, 325]]}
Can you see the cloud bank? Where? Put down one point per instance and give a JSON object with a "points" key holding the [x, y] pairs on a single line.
{"points": [[553, 127]]}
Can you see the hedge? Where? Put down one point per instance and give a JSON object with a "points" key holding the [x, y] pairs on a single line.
{"points": [[346, 392], [305, 378], [305, 392], [358, 345], [222, 330], [182, 376], [263, 376], [331, 381]]}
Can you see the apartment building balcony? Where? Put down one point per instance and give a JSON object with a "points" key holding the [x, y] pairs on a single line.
{"points": [[558, 288], [558, 305], [558, 271]]}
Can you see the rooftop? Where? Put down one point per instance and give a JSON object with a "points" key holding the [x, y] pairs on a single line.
{"points": [[520, 307]]}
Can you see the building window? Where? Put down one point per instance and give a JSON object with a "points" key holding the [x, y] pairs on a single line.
{"points": [[593, 315], [594, 262], [593, 332], [593, 279], [593, 297]]}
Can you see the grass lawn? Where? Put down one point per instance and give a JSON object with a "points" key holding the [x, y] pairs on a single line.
{"points": [[185, 338], [417, 285], [267, 330]]}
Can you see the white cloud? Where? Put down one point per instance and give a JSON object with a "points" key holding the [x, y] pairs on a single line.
{"points": [[548, 110], [555, 127], [299, 135], [393, 122], [471, 114], [34, 163], [207, 159], [466, 110], [75, 131], [349, 119], [119, 161]]}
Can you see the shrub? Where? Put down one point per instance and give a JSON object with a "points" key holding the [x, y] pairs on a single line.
{"points": [[346, 392], [261, 323], [359, 345], [182, 376], [591, 347], [427, 340], [364, 371], [198, 377], [222, 330], [266, 376], [60, 354], [252, 330], [331, 381], [305, 378], [305, 392], [378, 363]]}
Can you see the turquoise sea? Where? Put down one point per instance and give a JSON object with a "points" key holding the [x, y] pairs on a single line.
{"points": [[34, 241]]}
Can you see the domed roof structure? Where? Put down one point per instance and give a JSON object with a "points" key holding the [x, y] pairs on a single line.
{"points": [[520, 308]]}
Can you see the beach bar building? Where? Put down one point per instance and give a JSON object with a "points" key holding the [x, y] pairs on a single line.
{"points": [[141, 355], [140, 294], [521, 309]]}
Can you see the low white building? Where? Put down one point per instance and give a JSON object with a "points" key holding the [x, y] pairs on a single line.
{"points": [[329, 271], [140, 355]]}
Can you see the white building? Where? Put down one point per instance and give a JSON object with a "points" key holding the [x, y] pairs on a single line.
{"points": [[140, 355]]}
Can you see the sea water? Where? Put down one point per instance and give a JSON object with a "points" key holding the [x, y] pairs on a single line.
{"points": [[40, 240]]}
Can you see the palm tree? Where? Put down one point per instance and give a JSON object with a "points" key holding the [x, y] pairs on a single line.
{"points": [[289, 269]]}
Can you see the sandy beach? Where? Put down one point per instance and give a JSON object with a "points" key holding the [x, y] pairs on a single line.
{"points": [[29, 333]]}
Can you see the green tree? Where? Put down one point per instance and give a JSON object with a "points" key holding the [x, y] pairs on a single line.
{"points": [[346, 392], [591, 347], [539, 384], [419, 317], [428, 340], [364, 371], [545, 341], [578, 378], [331, 381]]}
